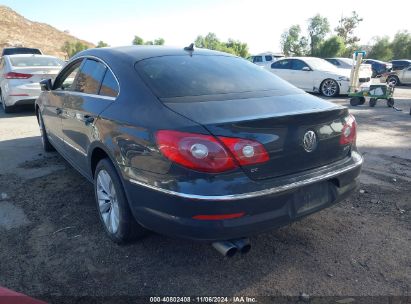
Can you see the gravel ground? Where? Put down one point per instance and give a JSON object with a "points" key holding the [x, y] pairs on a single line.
{"points": [[52, 243]]}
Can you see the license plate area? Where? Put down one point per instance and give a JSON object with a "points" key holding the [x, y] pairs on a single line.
{"points": [[312, 197]]}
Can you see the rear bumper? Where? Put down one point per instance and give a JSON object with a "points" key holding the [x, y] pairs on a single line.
{"points": [[171, 212], [22, 94]]}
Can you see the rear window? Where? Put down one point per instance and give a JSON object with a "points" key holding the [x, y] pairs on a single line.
{"points": [[178, 76], [35, 61], [14, 51]]}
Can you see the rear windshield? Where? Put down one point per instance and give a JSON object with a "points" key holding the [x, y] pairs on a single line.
{"points": [[178, 76], [15, 51], [35, 61]]}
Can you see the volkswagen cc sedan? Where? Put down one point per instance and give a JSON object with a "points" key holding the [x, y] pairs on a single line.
{"points": [[195, 143]]}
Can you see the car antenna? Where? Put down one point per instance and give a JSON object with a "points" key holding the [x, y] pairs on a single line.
{"points": [[189, 48]]}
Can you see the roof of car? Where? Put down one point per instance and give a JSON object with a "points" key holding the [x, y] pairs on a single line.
{"points": [[140, 52]]}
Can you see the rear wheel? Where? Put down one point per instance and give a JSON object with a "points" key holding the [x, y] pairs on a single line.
{"points": [[393, 80], [329, 88], [362, 100], [112, 204], [44, 138], [355, 101], [390, 102], [373, 102], [6, 108]]}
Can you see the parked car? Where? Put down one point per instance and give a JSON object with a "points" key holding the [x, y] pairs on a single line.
{"points": [[378, 67], [265, 59], [20, 76], [20, 50], [398, 77], [346, 63], [196, 143], [400, 64], [313, 75]]}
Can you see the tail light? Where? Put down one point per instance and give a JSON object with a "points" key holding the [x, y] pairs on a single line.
{"points": [[14, 75], [349, 131], [207, 153]]}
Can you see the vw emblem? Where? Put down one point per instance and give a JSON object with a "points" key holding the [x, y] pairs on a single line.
{"points": [[309, 141]]}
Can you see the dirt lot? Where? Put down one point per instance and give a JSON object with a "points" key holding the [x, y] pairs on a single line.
{"points": [[51, 241]]}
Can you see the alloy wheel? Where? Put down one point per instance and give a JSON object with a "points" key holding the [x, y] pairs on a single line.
{"points": [[329, 88], [107, 201]]}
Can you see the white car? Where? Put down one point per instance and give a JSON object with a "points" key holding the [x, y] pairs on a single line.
{"points": [[20, 76], [313, 74], [346, 63], [265, 59]]}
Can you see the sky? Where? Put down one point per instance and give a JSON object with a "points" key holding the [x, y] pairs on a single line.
{"points": [[259, 23]]}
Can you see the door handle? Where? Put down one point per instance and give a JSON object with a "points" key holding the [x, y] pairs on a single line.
{"points": [[59, 111], [88, 119]]}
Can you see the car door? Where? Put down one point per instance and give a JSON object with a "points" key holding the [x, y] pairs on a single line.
{"points": [[81, 108], [52, 102], [282, 68], [406, 75], [301, 75]]}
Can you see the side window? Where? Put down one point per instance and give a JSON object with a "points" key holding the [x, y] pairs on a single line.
{"points": [[281, 64], [90, 77], [66, 79], [109, 86], [269, 58], [299, 65], [258, 59]]}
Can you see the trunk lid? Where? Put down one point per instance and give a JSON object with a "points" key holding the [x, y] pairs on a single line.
{"points": [[39, 73], [277, 121]]}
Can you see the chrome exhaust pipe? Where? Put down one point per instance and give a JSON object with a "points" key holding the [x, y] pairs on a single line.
{"points": [[226, 248], [230, 248], [243, 245]]}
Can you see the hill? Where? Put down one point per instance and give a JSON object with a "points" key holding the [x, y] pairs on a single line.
{"points": [[15, 30]]}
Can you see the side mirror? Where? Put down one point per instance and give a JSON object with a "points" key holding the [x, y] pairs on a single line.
{"points": [[46, 85], [306, 68]]}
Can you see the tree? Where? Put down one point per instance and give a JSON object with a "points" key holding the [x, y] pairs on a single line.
{"points": [[101, 44], [292, 43], [211, 42], [401, 45], [159, 41], [381, 49], [346, 28], [149, 42], [239, 48], [332, 47], [72, 48], [137, 40], [318, 28]]}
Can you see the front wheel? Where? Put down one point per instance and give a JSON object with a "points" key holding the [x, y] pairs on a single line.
{"points": [[329, 88], [44, 138], [112, 204]]}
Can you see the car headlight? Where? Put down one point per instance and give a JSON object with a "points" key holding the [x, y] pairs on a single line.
{"points": [[343, 78]]}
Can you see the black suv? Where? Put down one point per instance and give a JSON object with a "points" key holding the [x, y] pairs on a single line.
{"points": [[20, 50]]}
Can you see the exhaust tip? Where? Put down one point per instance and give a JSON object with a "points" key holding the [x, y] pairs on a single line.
{"points": [[227, 249], [243, 245]]}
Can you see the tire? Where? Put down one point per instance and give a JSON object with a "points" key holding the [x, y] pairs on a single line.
{"points": [[329, 88], [362, 100], [355, 101], [390, 102], [6, 108], [112, 205], [393, 80], [373, 102], [47, 146]]}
